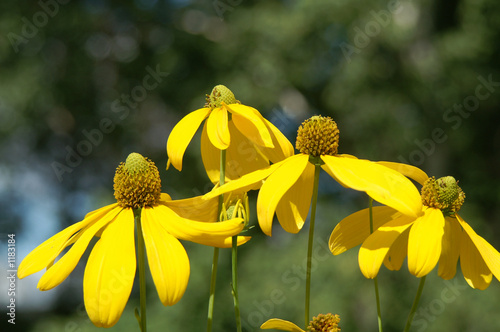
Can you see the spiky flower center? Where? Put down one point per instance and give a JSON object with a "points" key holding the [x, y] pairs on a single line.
{"points": [[220, 93], [137, 182], [324, 323], [318, 136], [444, 194]]}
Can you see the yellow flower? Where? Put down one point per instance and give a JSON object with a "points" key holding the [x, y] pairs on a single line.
{"points": [[320, 323], [438, 236], [111, 267], [288, 186], [250, 140]]}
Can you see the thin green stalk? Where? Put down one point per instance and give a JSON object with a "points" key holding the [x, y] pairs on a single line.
{"points": [[142, 271], [215, 259], [310, 243], [234, 290], [415, 304], [375, 280]]}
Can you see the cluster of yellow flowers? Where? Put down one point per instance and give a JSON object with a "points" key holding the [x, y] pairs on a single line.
{"points": [[243, 151]]}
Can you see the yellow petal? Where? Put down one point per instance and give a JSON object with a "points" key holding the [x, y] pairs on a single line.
{"points": [[293, 208], [217, 129], [282, 146], [182, 134], [412, 172], [247, 182], [210, 156], [355, 228], [250, 123], [195, 208], [58, 272], [398, 252], [489, 254], [276, 185], [475, 271], [451, 249], [110, 271], [383, 184], [280, 324], [425, 242], [207, 233], [167, 259], [375, 248]]}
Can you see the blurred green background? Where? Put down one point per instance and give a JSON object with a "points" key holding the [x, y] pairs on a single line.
{"points": [[408, 81]]}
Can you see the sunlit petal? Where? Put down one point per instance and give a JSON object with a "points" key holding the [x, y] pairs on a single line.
{"points": [[110, 271], [375, 248], [398, 252], [58, 272], [425, 242], [293, 208], [217, 129], [182, 134], [280, 324], [251, 125], [276, 185], [383, 184], [475, 271], [167, 259], [355, 228], [282, 146], [451, 249], [410, 171], [210, 156]]}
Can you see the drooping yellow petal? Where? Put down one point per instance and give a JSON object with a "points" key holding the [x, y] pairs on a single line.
{"points": [[181, 135], [167, 259], [293, 208], [42, 256], [410, 171], [58, 272], [250, 123], [247, 182], [195, 208], [425, 242], [488, 253], [355, 228], [207, 233], [276, 185], [383, 184], [210, 156], [110, 271], [475, 271], [217, 129], [375, 248], [280, 324], [398, 252], [282, 146], [451, 249]]}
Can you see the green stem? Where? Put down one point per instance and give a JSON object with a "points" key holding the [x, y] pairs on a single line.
{"points": [[415, 304], [142, 270], [234, 290], [215, 260], [310, 243], [375, 280]]}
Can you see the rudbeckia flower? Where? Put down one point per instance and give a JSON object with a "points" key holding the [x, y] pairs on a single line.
{"points": [[438, 235], [320, 323], [286, 187], [251, 142], [111, 267]]}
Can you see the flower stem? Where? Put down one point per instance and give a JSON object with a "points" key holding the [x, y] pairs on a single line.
{"points": [[234, 289], [215, 259], [310, 242], [142, 271], [375, 280], [415, 304]]}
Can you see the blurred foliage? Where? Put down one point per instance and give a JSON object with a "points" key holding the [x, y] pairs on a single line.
{"points": [[391, 73]]}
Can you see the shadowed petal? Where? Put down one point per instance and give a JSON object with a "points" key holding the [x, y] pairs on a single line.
{"points": [[58, 272], [280, 324], [425, 242], [383, 184], [398, 252], [276, 185], [282, 146], [451, 249], [475, 271], [195, 208], [293, 208], [250, 123], [110, 271], [167, 259], [217, 129], [355, 228], [182, 134]]}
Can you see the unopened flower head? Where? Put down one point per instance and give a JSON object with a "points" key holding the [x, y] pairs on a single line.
{"points": [[137, 182], [318, 136], [220, 93], [324, 323], [236, 208], [443, 194]]}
